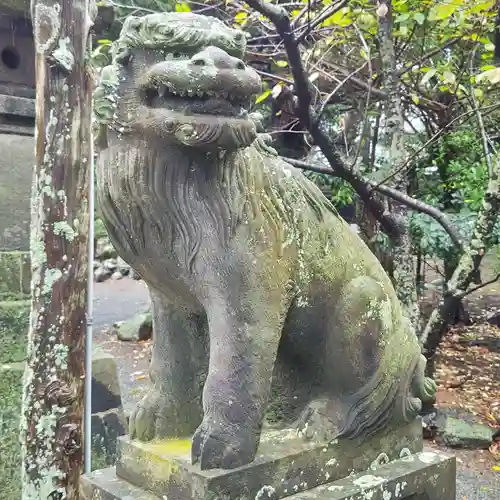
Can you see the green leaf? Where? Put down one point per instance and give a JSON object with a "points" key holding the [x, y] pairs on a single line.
{"points": [[263, 96], [492, 75], [442, 11], [340, 18], [425, 80], [182, 7], [449, 78], [281, 63], [419, 18], [402, 17], [415, 99], [481, 7], [241, 17], [403, 30]]}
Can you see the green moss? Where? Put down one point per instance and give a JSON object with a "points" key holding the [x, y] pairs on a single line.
{"points": [[14, 322], [10, 451], [99, 460], [15, 275], [99, 229]]}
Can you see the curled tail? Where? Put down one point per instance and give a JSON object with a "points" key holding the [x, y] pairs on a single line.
{"points": [[422, 390], [378, 403]]}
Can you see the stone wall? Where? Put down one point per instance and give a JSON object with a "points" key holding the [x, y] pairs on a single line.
{"points": [[16, 170]]}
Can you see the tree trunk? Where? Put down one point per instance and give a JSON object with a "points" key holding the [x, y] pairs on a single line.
{"points": [[403, 262], [466, 271], [51, 426]]}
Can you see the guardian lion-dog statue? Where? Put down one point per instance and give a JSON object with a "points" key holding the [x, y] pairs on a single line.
{"points": [[267, 308]]}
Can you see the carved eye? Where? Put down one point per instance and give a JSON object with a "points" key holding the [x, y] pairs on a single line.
{"points": [[177, 55]]}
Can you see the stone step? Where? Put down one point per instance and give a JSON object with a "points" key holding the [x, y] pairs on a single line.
{"points": [[284, 463], [426, 475], [106, 485]]}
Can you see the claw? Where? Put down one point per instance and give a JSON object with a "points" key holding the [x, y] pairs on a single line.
{"points": [[214, 448], [197, 445], [131, 426]]}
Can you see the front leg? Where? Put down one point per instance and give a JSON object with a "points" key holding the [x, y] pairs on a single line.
{"points": [[179, 363], [245, 327]]}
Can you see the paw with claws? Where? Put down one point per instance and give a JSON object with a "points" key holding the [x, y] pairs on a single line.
{"points": [[153, 418], [220, 445]]}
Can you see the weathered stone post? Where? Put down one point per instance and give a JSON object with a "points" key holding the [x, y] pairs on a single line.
{"points": [[17, 120], [51, 422]]}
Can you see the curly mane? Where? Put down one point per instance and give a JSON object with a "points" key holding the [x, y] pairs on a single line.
{"points": [[251, 186]]}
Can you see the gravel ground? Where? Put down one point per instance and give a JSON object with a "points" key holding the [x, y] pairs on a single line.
{"points": [[119, 300]]}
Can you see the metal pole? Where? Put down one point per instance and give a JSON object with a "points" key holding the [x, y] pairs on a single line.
{"points": [[87, 421]]}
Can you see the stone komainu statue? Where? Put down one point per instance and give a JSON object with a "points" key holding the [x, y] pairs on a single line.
{"points": [[267, 308]]}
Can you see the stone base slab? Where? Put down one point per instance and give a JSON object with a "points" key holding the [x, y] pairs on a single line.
{"points": [[424, 476], [285, 463]]}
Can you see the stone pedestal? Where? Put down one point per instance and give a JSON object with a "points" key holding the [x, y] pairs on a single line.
{"points": [[389, 466]]}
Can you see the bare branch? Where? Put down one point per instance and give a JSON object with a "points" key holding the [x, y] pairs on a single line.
{"points": [[469, 263], [434, 138], [479, 117], [337, 88], [429, 54], [281, 21], [417, 205], [368, 95], [328, 12], [481, 285], [274, 77]]}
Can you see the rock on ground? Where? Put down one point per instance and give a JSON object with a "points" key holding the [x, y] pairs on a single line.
{"points": [[137, 328]]}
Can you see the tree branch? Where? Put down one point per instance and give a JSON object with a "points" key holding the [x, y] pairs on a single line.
{"points": [[469, 263], [328, 12], [417, 205], [429, 54], [481, 285], [279, 17]]}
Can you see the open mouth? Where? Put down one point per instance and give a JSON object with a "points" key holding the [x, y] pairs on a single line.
{"points": [[191, 101]]}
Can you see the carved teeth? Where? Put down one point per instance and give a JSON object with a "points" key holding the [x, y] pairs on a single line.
{"points": [[165, 90]]}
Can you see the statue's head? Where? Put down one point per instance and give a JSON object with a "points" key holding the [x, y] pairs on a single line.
{"points": [[179, 78]]}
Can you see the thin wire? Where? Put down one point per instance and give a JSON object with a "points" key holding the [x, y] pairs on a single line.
{"points": [[87, 407]]}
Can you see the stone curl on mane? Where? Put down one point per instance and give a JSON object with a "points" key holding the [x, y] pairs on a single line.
{"points": [[176, 30]]}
